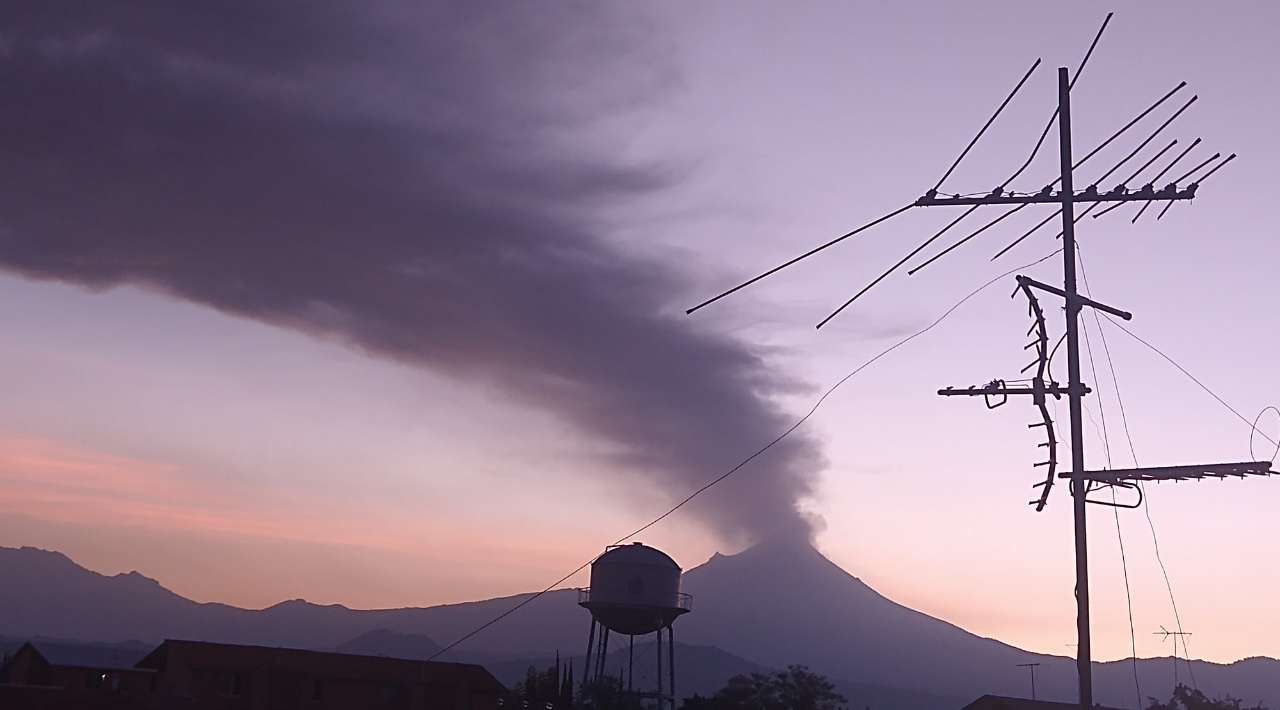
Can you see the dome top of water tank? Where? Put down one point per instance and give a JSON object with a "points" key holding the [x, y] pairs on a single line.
{"points": [[637, 553]]}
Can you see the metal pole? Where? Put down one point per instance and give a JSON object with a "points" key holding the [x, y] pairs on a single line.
{"points": [[1083, 667], [604, 650], [631, 662], [591, 638], [671, 662], [659, 646]]}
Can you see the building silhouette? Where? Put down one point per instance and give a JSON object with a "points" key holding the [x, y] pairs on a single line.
{"points": [[198, 675]]}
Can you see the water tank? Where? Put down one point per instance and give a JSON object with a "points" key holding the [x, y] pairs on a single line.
{"points": [[635, 589]]}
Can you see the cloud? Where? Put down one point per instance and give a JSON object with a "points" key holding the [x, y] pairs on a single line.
{"points": [[417, 181]]}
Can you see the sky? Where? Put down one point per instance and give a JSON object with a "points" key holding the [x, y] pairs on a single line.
{"points": [[384, 306]]}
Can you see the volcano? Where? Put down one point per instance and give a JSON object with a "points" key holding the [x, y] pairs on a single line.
{"points": [[775, 604]]}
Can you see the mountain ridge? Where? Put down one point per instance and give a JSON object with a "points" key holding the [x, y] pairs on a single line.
{"points": [[810, 612]]}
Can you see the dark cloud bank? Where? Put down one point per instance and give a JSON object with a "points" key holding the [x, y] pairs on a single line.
{"points": [[400, 182]]}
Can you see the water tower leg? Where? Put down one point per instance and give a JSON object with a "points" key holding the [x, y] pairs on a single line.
{"points": [[604, 652], [586, 665], [659, 674], [671, 662], [631, 663]]}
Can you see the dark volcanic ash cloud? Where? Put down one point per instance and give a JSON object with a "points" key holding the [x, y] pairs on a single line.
{"points": [[402, 182]]}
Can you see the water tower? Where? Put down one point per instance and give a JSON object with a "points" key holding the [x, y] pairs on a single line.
{"points": [[635, 590]]}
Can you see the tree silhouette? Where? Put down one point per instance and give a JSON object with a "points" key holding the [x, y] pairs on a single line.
{"points": [[607, 693], [796, 688], [1185, 698]]}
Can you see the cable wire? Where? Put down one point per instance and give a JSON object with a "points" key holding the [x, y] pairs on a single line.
{"points": [[1191, 377], [1052, 119], [1102, 408], [830, 390], [1115, 510], [1146, 505], [1154, 538]]}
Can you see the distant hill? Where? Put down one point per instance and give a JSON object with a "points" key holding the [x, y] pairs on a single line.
{"points": [[775, 604], [385, 642]]}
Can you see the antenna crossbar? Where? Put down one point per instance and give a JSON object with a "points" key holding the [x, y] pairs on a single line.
{"points": [[1076, 299], [1117, 194], [1179, 473], [1000, 389]]}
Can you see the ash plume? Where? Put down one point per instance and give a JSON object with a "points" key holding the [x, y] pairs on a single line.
{"points": [[402, 178]]}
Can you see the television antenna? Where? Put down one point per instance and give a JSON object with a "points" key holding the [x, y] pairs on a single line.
{"points": [[1165, 635], [1061, 192]]}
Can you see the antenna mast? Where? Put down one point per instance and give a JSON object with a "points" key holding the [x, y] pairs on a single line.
{"points": [[1042, 384], [1165, 633], [1082, 480], [1074, 393]]}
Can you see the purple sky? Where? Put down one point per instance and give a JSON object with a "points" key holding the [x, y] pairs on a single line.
{"points": [[390, 312]]}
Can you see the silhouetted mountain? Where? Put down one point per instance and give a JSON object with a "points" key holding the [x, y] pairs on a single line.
{"points": [[811, 611], [775, 604], [385, 642]]}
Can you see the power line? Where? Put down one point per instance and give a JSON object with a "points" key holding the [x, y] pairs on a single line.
{"points": [[947, 313]]}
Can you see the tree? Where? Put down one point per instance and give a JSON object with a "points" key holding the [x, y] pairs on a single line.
{"points": [[1185, 698], [550, 688], [607, 693], [796, 688], [799, 689]]}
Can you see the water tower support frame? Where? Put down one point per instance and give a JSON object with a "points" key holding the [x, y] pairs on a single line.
{"points": [[671, 661], [604, 652], [659, 673], [589, 665]]}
